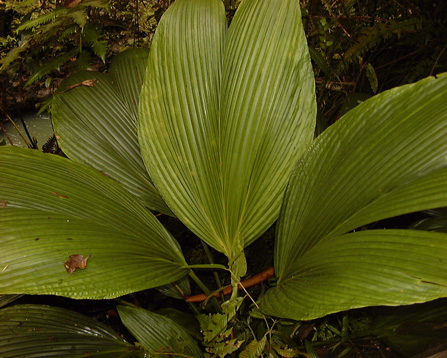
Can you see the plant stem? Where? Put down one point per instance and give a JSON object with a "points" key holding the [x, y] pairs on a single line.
{"points": [[254, 280], [205, 289], [211, 260], [34, 145], [125, 303], [181, 293], [206, 266], [19, 131], [194, 308], [6, 133]]}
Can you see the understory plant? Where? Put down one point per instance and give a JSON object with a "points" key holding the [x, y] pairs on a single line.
{"points": [[48, 28], [215, 126], [48, 37]]}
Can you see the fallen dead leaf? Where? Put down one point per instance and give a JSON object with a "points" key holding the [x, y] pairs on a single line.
{"points": [[76, 261], [87, 83]]}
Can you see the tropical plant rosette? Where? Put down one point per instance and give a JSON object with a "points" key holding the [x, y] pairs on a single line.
{"points": [[221, 136]]}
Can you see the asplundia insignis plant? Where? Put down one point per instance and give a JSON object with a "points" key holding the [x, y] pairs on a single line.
{"points": [[224, 123]]}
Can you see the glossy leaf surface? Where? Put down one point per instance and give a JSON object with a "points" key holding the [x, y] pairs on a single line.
{"points": [[157, 333], [366, 268], [95, 120], [53, 208], [387, 157], [43, 331], [224, 117]]}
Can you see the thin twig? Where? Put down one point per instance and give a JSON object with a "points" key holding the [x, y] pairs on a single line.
{"points": [[206, 291], [18, 131], [437, 59], [6, 134], [252, 281], [211, 260], [34, 145]]}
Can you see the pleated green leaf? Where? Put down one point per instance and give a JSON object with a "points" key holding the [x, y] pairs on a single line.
{"points": [[423, 193], [367, 268], [223, 119], [43, 331], [371, 154], [52, 208], [267, 114], [157, 333], [128, 70], [96, 123], [179, 111], [387, 157]]}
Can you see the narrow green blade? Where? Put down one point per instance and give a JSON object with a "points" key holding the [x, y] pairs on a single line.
{"points": [[53, 208], [96, 123], [157, 333], [43, 331], [367, 268]]}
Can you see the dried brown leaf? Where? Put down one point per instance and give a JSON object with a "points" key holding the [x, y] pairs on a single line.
{"points": [[76, 261]]}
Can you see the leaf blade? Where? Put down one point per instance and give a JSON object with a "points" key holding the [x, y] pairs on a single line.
{"points": [[267, 112], [33, 330], [53, 208], [367, 268], [204, 166], [178, 111], [97, 125], [157, 333], [378, 147]]}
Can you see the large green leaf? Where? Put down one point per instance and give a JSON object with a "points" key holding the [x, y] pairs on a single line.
{"points": [[43, 331], [385, 158], [97, 124], [52, 208], [267, 114], [179, 107], [157, 333], [367, 268], [223, 118]]}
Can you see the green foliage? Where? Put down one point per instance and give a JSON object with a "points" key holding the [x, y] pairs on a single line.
{"points": [[218, 332], [49, 38], [158, 334], [195, 167], [56, 30], [35, 330], [402, 44], [221, 136], [96, 125], [91, 35], [254, 349], [51, 65]]}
